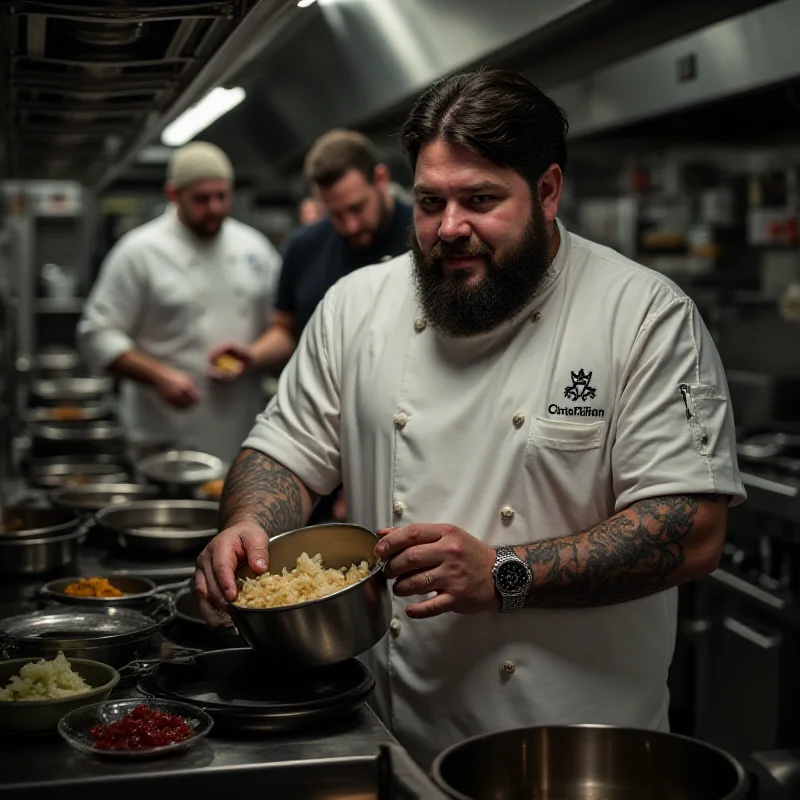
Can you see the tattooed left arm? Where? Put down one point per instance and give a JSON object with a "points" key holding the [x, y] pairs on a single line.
{"points": [[652, 545]]}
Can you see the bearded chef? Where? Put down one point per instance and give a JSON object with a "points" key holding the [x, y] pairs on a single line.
{"points": [[538, 426], [171, 298]]}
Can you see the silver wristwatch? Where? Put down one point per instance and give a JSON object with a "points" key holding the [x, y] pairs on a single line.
{"points": [[512, 579]]}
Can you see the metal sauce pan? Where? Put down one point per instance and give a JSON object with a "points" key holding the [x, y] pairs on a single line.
{"points": [[241, 694], [75, 472], [63, 390], [135, 590], [24, 522], [114, 635], [166, 526], [39, 556], [94, 497]]}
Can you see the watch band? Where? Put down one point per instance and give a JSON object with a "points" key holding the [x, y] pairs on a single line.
{"points": [[515, 602]]}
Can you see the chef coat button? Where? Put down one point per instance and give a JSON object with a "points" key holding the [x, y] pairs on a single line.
{"points": [[507, 668], [385, 258], [394, 627], [536, 316], [518, 419], [507, 513], [400, 420], [398, 508], [420, 325]]}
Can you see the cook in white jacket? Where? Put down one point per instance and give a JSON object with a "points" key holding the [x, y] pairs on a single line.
{"points": [[171, 297], [539, 427]]}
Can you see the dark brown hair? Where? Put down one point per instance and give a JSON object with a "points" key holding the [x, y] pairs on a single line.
{"points": [[336, 153], [498, 114]]}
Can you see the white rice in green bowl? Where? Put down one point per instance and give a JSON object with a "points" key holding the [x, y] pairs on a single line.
{"points": [[45, 680]]}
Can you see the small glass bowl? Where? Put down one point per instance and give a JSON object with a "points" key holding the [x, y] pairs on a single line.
{"points": [[75, 726]]}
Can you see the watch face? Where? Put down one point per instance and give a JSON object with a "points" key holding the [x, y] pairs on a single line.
{"points": [[512, 577]]}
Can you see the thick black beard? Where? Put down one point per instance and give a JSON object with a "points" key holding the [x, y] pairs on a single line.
{"points": [[510, 283]]}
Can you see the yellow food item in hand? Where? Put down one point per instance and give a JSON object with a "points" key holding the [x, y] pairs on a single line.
{"points": [[228, 363], [92, 587]]}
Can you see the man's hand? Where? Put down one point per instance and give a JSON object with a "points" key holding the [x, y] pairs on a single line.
{"points": [[442, 559], [228, 361], [177, 388], [214, 579]]}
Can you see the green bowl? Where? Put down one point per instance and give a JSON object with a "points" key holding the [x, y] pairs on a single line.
{"points": [[42, 716]]}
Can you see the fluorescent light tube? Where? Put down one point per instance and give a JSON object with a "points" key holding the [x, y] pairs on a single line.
{"points": [[198, 117], [305, 3]]}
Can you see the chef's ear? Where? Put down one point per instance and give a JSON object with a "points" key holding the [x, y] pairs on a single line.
{"points": [[549, 187], [381, 177], [171, 192]]}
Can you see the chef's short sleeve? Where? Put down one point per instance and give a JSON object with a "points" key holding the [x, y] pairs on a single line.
{"points": [[300, 426], [675, 432]]}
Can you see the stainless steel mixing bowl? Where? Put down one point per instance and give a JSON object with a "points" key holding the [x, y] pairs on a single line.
{"points": [[587, 762], [333, 628]]}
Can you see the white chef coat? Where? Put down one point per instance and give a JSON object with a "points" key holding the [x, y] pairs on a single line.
{"points": [[542, 428], [173, 296]]}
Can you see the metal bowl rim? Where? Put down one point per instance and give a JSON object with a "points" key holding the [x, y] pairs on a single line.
{"points": [[379, 566], [108, 685], [436, 767], [151, 465], [101, 517]]}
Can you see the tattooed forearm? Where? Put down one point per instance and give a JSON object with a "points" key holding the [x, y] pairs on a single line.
{"points": [[263, 491], [635, 553]]}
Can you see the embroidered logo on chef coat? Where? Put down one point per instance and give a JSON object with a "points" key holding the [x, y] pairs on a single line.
{"points": [[580, 389]]}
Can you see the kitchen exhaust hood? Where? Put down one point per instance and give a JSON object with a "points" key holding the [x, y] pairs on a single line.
{"points": [[735, 77]]}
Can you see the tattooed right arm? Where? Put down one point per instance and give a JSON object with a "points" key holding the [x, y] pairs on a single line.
{"points": [[260, 490]]}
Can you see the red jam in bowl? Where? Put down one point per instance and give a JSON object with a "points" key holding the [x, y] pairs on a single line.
{"points": [[142, 729]]}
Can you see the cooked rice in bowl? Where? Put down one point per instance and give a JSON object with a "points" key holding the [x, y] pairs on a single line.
{"points": [[309, 580], [45, 680]]}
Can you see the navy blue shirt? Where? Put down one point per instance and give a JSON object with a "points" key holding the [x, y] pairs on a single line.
{"points": [[316, 257]]}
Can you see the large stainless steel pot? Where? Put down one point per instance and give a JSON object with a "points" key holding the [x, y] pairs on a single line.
{"points": [[76, 438], [334, 628], [587, 762], [70, 390], [168, 526], [114, 636]]}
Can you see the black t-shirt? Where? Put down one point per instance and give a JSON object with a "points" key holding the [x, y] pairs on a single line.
{"points": [[316, 257]]}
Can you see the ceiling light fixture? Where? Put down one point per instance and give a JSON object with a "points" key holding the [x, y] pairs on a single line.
{"points": [[305, 3], [198, 117]]}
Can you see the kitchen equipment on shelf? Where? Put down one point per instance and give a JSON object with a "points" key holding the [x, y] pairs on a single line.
{"points": [[75, 728], [179, 473], [94, 497], [113, 635], [583, 762], [60, 391], [167, 526], [38, 541], [243, 695], [75, 438], [56, 362], [42, 716], [135, 590], [330, 629]]}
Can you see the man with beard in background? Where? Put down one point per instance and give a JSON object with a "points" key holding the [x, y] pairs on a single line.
{"points": [[537, 426], [170, 298]]}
